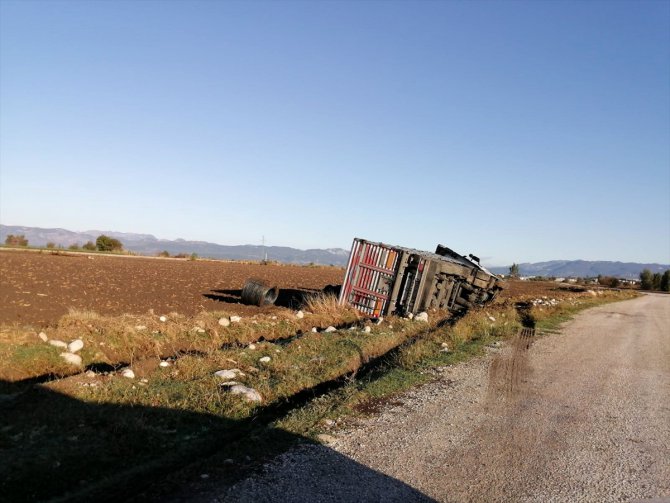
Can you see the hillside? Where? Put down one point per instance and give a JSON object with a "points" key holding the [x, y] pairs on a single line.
{"points": [[583, 269], [148, 244]]}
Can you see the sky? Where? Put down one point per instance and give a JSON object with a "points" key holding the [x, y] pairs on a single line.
{"points": [[517, 131]]}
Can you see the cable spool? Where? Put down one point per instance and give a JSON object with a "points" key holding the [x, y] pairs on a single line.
{"points": [[257, 292]]}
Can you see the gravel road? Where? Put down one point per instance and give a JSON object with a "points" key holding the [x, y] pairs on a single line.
{"points": [[581, 415]]}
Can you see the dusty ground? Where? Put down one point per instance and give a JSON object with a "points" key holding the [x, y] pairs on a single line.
{"points": [[583, 415], [38, 288]]}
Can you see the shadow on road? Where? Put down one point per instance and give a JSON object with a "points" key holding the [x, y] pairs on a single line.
{"points": [[55, 447]]}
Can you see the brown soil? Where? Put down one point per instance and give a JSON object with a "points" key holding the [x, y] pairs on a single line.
{"points": [[38, 288]]}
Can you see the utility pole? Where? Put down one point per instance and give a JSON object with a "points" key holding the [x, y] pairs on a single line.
{"points": [[265, 254]]}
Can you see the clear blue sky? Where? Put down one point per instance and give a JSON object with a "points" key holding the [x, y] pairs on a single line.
{"points": [[518, 131]]}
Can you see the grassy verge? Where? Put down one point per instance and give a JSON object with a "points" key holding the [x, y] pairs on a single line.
{"points": [[171, 415]]}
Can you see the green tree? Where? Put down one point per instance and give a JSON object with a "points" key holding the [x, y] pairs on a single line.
{"points": [[656, 280], [13, 240], [90, 245], [514, 270], [105, 243], [646, 280], [51, 244], [665, 281]]}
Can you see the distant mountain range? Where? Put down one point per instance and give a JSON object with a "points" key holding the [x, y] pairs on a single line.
{"points": [[583, 269], [147, 244]]}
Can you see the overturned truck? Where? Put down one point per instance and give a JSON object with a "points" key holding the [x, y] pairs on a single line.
{"points": [[381, 280]]}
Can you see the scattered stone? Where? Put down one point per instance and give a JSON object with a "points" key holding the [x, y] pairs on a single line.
{"points": [[492, 318], [330, 329], [423, 316], [273, 317], [43, 336], [249, 393], [128, 373], [164, 364], [144, 381], [228, 373], [328, 422], [495, 344], [300, 315], [265, 359], [75, 346], [410, 315], [252, 346], [204, 476], [58, 344], [229, 383], [235, 319], [71, 358], [224, 322], [352, 328], [314, 330], [324, 438], [367, 330], [163, 319], [90, 373], [140, 327]]}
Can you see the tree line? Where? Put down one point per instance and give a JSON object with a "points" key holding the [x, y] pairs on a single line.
{"points": [[655, 281], [102, 243]]}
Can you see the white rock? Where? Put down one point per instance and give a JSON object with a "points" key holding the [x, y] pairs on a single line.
{"points": [[300, 315], [235, 319], [228, 373], [163, 319], [314, 330], [421, 317], [410, 315], [492, 318], [367, 330], [140, 327], [445, 345], [229, 383], [328, 422], [43, 336], [164, 364], [58, 344], [330, 329], [128, 373], [71, 358], [224, 322], [75, 345], [144, 381], [249, 393], [252, 346], [273, 317], [265, 359]]}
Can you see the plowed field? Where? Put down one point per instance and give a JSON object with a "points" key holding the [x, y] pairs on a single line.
{"points": [[38, 288]]}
